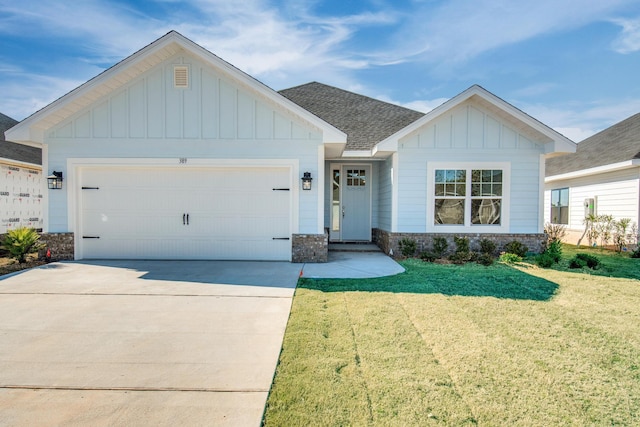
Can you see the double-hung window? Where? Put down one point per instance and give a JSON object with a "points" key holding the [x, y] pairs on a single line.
{"points": [[468, 196], [560, 206]]}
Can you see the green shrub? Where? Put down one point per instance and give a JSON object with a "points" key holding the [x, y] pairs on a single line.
{"points": [[408, 247], [576, 262], [509, 258], [21, 242], [440, 246], [636, 253], [487, 246], [585, 260], [485, 259], [462, 253], [462, 244], [516, 247], [554, 250], [428, 256], [545, 260]]}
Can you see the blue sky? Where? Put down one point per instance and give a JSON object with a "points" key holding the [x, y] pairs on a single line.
{"points": [[573, 64]]}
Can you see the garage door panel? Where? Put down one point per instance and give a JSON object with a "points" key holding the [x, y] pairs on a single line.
{"points": [[233, 213]]}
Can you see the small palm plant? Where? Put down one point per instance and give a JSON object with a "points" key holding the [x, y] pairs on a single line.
{"points": [[21, 242]]}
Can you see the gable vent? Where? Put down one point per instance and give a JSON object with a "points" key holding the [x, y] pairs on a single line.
{"points": [[181, 76]]}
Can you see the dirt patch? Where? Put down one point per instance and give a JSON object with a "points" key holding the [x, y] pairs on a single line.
{"points": [[9, 265]]}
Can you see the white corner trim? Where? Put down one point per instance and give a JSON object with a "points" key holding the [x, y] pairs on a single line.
{"points": [[394, 192], [320, 189], [593, 171]]}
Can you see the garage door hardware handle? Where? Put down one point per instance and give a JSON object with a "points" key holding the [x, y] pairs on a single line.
{"points": [[90, 188], [90, 237], [280, 238], [185, 219], [280, 189]]}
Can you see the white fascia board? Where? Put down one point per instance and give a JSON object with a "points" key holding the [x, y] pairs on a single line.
{"points": [[362, 154], [560, 143], [594, 171]]}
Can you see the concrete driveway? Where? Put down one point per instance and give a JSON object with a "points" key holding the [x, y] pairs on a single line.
{"points": [[142, 342]]}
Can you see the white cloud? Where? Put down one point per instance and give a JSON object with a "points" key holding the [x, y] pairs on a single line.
{"points": [[457, 30], [629, 39], [425, 105], [32, 93], [578, 121]]}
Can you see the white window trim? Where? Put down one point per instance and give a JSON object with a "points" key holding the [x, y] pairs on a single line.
{"points": [[568, 205], [504, 226]]}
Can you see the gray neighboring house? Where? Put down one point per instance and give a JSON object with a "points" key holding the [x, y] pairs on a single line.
{"points": [[20, 182], [601, 177]]}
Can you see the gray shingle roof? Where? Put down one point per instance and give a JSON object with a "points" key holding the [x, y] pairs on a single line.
{"points": [[13, 151], [366, 121], [619, 143]]}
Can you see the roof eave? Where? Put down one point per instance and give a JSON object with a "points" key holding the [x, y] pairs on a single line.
{"points": [[613, 167]]}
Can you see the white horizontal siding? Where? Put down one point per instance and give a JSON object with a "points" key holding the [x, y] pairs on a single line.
{"points": [[469, 134], [616, 193]]}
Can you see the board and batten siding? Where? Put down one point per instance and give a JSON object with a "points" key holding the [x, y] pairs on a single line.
{"points": [[216, 117], [468, 134], [616, 193]]}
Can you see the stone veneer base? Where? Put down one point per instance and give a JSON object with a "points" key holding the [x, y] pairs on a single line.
{"points": [[388, 241], [304, 247], [310, 247], [61, 245]]}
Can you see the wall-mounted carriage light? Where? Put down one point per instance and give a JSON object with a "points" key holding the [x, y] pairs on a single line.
{"points": [[306, 181], [55, 180]]}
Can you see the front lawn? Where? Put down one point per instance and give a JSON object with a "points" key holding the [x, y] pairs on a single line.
{"points": [[452, 345]]}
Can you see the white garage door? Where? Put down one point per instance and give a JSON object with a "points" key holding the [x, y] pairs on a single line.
{"points": [[190, 213]]}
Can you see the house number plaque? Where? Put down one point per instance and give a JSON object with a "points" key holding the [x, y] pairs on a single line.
{"points": [[182, 160]]}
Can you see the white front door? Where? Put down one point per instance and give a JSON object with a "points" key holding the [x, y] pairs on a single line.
{"points": [[351, 203], [190, 213]]}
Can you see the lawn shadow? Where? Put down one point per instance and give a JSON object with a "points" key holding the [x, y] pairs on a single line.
{"points": [[471, 280]]}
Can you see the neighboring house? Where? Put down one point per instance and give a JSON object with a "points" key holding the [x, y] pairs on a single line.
{"points": [[602, 178], [175, 154], [21, 182]]}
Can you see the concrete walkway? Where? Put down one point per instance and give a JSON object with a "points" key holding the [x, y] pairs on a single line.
{"points": [[149, 342]]}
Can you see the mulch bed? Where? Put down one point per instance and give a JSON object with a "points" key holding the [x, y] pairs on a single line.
{"points": [[8, 265]]}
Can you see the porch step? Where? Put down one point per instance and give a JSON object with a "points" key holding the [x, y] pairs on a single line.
{"points": [[353, 247]]}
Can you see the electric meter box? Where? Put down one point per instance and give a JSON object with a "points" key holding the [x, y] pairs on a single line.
{"points": [[589, 207]]}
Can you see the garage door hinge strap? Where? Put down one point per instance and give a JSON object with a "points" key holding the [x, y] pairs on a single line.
{"points": [[280, 189], [90, 237], [280, 238], [90, 188]]}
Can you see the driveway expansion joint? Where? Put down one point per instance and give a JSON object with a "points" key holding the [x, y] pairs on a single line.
{"points": [[149, 389]]}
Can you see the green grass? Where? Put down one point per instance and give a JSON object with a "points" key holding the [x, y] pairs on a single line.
{"points": [[464, 345]]}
